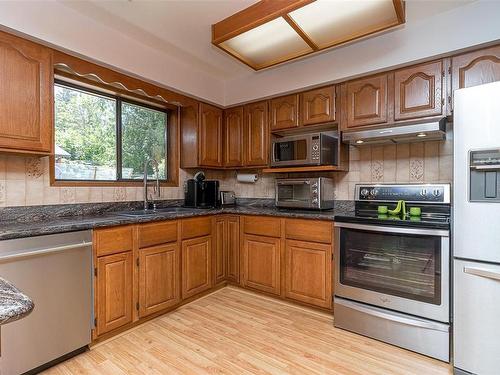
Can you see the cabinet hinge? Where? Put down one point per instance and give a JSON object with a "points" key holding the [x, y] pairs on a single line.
{"points": [[442, 102], [137, 262], [449, 99], [449, 70], [442, 73], [95, 272], [95, 322], [332, 256], [137, 306]]}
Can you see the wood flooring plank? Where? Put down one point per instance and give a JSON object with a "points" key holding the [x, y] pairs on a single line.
{"points": [[238, 332]]}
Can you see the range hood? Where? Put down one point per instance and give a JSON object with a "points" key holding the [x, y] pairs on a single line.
{"points": [[411, 132]]}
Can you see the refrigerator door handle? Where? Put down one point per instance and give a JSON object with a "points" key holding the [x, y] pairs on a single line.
{"points": [[482, 273]]}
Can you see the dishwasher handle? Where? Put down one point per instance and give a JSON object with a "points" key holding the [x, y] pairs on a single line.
{"points": [[50, 250]]}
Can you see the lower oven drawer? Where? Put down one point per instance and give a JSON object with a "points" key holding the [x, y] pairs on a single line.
{"points": [[409, 332]]}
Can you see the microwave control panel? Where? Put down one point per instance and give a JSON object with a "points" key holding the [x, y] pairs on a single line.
{"points": [[315, 148]]}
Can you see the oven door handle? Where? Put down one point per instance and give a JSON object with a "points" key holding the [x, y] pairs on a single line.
{"points": [[389, 229], [294, 182], [392, 317]]}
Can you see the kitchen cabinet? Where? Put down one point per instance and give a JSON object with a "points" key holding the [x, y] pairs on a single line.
{"points": [[318, 106], [261, 263], [284, 112], [113, 291], [366, 101], [196, 266], [308, 272], [233, 248], [256, 135], [26, 94], [220, 249], [158, 278], [233, 137], [476, 68], [210, 133], [419, 91]]}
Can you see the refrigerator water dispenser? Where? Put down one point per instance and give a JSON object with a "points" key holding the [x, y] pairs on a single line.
{"points": [[484, 175]]}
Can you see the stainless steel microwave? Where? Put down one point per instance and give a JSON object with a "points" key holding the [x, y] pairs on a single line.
{"points": [[305, 149], [314, 193]]}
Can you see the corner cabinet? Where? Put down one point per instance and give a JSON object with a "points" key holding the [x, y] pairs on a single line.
{"points": [[26, 96], [233, 135], [476, 68], [256, 135], [419, 91], [210, 133]]}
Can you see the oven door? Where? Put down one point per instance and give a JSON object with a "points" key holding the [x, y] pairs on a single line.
{"points": [[402, 269], [294, 194], [292, 151]]}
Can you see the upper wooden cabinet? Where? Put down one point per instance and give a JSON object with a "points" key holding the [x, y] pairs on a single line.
{"points": [[476, 68], [26, 96], [284, 112], [233, 137], [256, 135], [210, 132], [366, 101], [318, 106], [419, 91]]}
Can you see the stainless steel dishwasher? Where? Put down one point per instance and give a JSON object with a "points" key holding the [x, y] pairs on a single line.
{"points": [[55, 271]]}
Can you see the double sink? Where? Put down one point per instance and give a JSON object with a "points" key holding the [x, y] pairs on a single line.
{"points": [[158, 211]]}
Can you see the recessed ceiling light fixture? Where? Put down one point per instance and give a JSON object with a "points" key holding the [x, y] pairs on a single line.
{"points": [[274, 31], [421, 135], [359, 141]]}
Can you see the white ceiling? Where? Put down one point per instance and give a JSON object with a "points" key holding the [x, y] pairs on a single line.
{"points": [[169, 42]]}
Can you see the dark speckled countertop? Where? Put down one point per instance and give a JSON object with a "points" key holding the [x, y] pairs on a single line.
{"points": [[14, 304], [40, 220]]}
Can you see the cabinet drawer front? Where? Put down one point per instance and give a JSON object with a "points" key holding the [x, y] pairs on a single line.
{"points": [[308, 272], [262, 226], [196, 227], [309, 230], [113, 240], [157, 233]]}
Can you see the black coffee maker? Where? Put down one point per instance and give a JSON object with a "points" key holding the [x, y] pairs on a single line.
{"points": [[201, 193]]}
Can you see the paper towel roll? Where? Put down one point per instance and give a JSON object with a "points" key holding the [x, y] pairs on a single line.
{"points": [[246, 177]]}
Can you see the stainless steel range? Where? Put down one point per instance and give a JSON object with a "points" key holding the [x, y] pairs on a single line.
{"points": [[392, 274]]}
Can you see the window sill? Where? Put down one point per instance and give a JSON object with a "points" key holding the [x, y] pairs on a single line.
{"points": [[63, 183]]}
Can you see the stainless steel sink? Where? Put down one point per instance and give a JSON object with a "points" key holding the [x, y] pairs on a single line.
{"points": [[158, 211]]}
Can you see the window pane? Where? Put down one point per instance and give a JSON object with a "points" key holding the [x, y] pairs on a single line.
{"points": [[85, 135], [143, 137]]}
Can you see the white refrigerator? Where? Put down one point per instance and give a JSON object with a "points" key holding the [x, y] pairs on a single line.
{"points": [[476, 230]]}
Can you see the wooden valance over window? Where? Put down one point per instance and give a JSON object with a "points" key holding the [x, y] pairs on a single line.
{"points": [[87, 72]]}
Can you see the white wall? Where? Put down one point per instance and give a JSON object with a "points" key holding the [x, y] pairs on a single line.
{"points": [[467, 25], [62, 26]]}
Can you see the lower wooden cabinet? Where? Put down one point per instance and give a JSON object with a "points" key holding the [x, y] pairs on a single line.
{"points": [[114, 291], [196, 265], [226, 249], [158, 278], [308, 272], [220, 250], [233, 248], [261, 263]]}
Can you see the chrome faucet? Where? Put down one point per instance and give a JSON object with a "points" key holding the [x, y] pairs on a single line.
{"points": [[156, 186]]}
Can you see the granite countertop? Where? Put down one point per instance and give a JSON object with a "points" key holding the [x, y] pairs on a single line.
{"points": [[43, 223], [14, 304]]}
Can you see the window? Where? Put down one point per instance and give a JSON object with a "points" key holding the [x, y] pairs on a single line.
{"points": [[100, 137]]}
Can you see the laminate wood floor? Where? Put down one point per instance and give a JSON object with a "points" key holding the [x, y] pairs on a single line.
{"points": [[236, 332]]}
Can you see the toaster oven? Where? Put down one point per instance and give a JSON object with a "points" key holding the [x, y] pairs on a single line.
{"points": [[314, 193]]}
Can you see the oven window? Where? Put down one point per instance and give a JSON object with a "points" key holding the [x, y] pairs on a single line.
{"points": [[290, 151], [402, 265]]}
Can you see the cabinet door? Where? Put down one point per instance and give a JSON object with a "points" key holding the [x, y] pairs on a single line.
{"points": [[318, 106], [256, 135], [418, 91], [210, 136], [158, 278], [220, 251], [284, 112], [233, 248], [308, 274], [26, 95], [261, 263], [233, 137], [114, 291], [367, 101], [476, 68], [196, 265]]}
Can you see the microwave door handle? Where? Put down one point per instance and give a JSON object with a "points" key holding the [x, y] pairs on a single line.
{"points": [[293, 182]]}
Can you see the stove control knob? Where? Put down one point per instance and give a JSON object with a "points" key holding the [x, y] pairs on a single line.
{"points": [[315, 200], [423, 192], [436, 192], [364, 192], [374, 192]]}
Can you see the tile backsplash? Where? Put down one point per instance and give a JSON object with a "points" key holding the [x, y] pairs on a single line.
{"points": [[25, 181]]}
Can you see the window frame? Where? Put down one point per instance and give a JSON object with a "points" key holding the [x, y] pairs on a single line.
{"points": [[171, 177]]}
